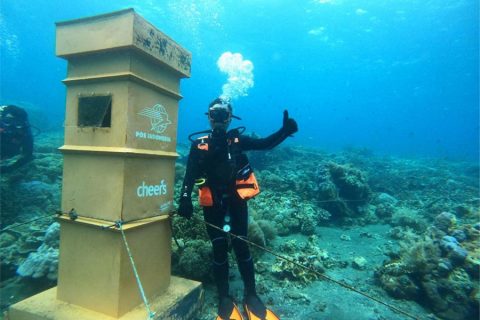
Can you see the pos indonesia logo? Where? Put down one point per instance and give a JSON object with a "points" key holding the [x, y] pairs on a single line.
{"points": [[159, 120]]}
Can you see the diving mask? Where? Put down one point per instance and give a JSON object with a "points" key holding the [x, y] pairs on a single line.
{"points": [[220, 113]]}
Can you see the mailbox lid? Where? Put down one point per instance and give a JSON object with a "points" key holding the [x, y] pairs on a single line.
{"points": [[119, 30], [97, 33]]}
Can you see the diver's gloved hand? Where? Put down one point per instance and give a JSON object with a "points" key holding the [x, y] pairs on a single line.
{"points": [[186, 208], [289, 125]]}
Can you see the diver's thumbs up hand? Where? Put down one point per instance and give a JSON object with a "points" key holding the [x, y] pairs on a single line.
{"points": [[285, 117], [289, 125]]}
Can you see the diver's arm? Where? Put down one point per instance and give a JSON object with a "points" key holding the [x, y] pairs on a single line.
{"points": [[289, 127], [273, 140], [190, 173], [17, 164], [185, 207]]}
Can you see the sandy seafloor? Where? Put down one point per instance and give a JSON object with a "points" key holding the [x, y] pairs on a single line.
{"points": [[424, 187], [324, 299], [319, 300]]}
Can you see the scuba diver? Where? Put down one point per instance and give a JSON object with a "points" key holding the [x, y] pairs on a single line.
{"points": [[218, 165], [16, 138]]}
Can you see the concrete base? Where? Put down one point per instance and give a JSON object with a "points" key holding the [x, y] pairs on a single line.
{"points": [[94, 269], [182, 300]]}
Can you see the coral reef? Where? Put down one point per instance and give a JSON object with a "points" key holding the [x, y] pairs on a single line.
{"points": [[308, 254], [385, 205], [342, 190], [438, 270], [44, 261], [398, 192], [255, 233], [445, 221], [33, 189], [18, 243], [406, 217], [268, 229], [428, 209], [193, 260]]}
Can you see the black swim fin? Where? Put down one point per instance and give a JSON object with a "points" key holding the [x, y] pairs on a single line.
{"points": [[256, 310], [228, 310]]}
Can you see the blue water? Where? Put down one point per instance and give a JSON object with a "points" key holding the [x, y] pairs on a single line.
{"points": [[396, 77]]}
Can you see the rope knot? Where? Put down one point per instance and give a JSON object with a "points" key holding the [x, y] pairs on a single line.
{"points": [[119, 223]]}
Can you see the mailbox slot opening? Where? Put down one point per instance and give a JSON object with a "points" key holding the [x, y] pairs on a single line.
{"points": [[95, 111]]}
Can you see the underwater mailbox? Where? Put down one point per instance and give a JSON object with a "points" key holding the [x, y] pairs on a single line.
{"points": [[121, 115], [122, 83]]}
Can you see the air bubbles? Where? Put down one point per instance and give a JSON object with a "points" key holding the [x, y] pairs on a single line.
{"points": [[240, 75]]}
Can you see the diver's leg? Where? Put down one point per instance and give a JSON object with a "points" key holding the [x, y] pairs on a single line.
{"points": [[239, 216], [253, 304], [214, 215]]}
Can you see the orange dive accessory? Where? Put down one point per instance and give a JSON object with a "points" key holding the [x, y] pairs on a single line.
{"points": [[205, 198], [246, 183], [203, 144]]}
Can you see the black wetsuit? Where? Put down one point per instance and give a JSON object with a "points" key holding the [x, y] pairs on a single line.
{"points": [[15, 137], [219, 165]]}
